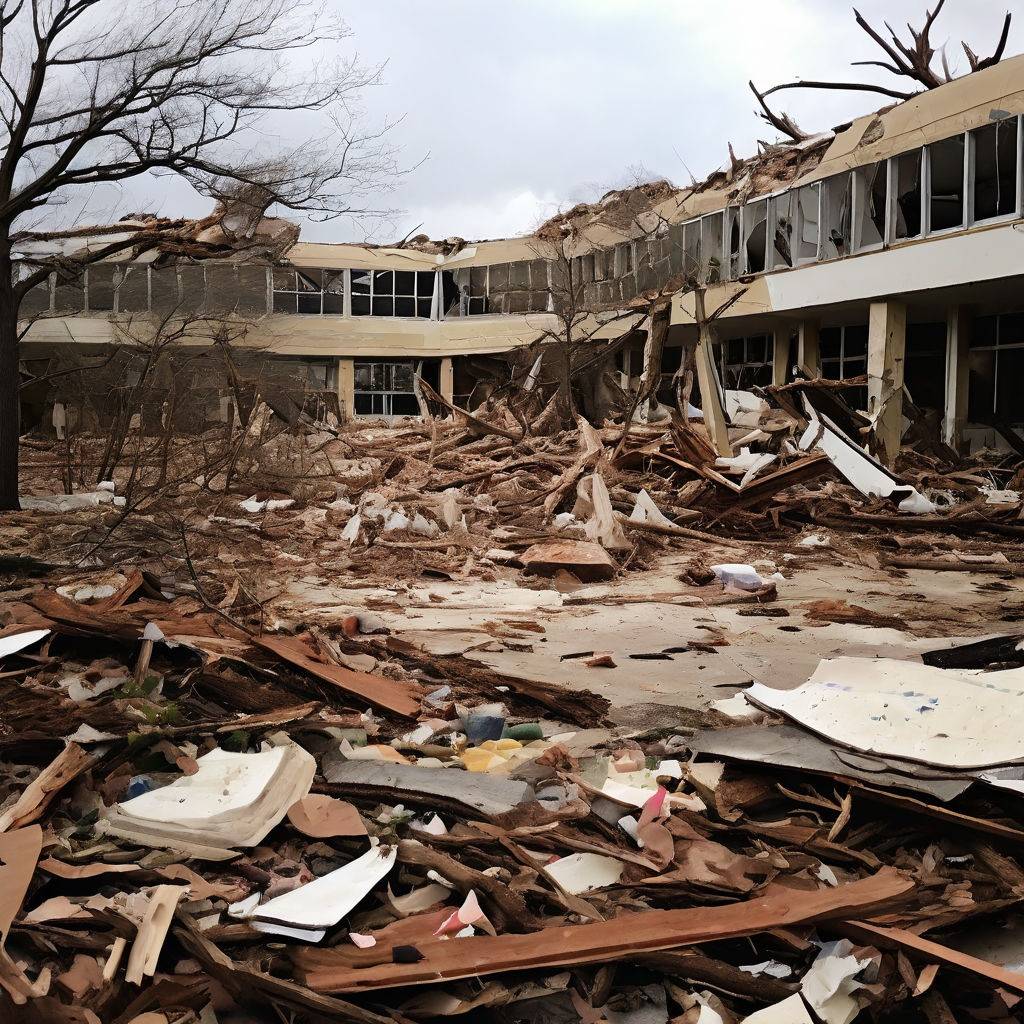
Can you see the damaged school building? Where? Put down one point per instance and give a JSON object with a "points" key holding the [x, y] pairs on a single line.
{"points": [[347, 675], [890, 248]]}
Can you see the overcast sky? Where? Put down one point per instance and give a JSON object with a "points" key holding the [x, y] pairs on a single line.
{"points": [[511, 110], [525, 106]]}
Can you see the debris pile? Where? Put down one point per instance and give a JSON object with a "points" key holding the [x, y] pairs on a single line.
{"points": [[203, 820]]}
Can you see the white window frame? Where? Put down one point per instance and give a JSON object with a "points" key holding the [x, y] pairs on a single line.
{"points": [[799, 261], [859, 196], [689, 227], [747, 214], [1016, 213], [926, 190], [707, 253], [732, 269]]}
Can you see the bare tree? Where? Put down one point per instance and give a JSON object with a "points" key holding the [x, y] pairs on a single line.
{"points": [[580, 325], [912, 60], [100, 91]]}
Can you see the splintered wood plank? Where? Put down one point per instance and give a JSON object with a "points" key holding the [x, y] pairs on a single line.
{"points": [[377, 690], [325, 970]]}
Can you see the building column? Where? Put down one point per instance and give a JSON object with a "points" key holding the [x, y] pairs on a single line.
{"points": [[347, 388], [447, 379], [954, 414], [887, 340], [808, 348], [780, 353]]}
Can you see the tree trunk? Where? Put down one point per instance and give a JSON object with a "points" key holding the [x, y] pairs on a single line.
{"points": [[10, 413]]}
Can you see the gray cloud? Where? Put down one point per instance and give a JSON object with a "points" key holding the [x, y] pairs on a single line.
{"points": [[517, 108]]}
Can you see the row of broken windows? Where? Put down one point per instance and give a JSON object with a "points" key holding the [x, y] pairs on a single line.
{"points": [[968, 179], [964, 180], [230, 287]]}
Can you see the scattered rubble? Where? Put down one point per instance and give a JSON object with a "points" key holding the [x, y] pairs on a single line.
{"points": [[225, 801]]}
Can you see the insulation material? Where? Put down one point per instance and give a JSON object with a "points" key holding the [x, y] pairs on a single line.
{"points": [[906, 710]]}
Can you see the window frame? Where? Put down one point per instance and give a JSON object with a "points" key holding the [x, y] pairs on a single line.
{"points": [[321, 292], [996, 347], [966, 189], [387, 393], [1017, 211], [799, 261]]}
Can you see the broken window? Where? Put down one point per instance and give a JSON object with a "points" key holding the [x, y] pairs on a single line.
{"points": [[995, 169], [306, 291], [385, 389], [907, 187], [192, 282], [37, 299], [946, 184], [837, 216], [221, 287], [782, 236], [623, 259], [747, 362], [996, 368], [449, 294], [472, 283], [844, 354], [320, 375], [133, 291], [252, 290], [163, 289], [755, 236], [711, 242], [691, 249], [808, 201], [870, 189], [734, 237], [99, 283]]}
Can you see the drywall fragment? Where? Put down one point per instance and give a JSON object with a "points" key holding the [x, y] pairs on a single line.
{"points": [[768, 968], [487, 794], [789, 746], [350, 534], [19, 641], [582, 872], [323, 902], [462, 922], [586, 561], [418, 900], [901, 709], [829, 984], [232, 800], [323, 817]]}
